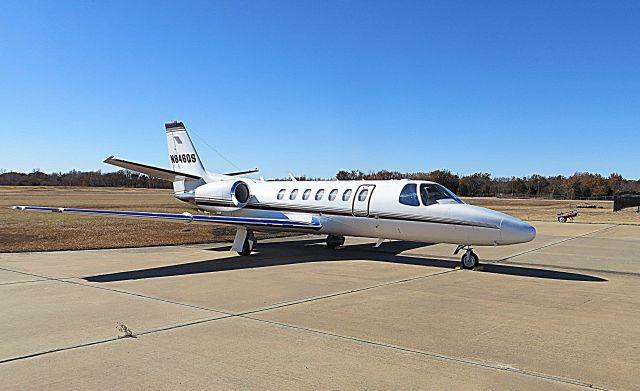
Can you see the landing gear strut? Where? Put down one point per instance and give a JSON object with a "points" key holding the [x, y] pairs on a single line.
{"points": [[469, 258], [334, 241], [244, 242], [248, 245]]}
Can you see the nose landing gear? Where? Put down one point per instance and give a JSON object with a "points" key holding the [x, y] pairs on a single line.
{"points": [[469, 259]]}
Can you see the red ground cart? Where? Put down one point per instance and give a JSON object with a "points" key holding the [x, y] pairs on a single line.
{"points": [[563, 217]]}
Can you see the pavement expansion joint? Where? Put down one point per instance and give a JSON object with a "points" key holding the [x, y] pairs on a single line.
{"points": [[224, 314], [505, 259], [22, 282], [379, 344], [250, 315], [439, 356]]}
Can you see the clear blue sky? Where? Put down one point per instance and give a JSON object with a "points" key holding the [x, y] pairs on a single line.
{"points": [[312, 87]]}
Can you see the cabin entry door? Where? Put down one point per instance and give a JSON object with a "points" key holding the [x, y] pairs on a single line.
{"points": [[361, 200]]}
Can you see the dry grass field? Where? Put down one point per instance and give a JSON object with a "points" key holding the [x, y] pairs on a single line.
{"points": [[31, 231], [34, 231], [546, 210]]}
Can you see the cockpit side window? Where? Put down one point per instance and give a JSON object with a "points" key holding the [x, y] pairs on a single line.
{"points": [[432, 193], [409, 195]]}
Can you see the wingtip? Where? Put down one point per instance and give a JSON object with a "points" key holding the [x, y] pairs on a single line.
{"points": [[108, 159]]}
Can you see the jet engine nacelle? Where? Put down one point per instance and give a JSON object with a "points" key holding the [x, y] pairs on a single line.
{"points": [[224, 195]]}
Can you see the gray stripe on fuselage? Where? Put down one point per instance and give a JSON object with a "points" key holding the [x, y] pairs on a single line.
{"points": [[345, 212]]}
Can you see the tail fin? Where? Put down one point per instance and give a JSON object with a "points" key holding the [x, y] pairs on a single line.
{"points": [[182, 153], [183, 157]]}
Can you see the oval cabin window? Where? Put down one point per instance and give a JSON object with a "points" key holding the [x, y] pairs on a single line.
{"points": [[363, 195]]}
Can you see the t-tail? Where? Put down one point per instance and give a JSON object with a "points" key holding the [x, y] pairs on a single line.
{"points": [[187, 171], [182, 154], [185, 159]]}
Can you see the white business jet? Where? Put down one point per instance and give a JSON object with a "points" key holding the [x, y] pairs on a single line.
{"points": [[410, 210]]}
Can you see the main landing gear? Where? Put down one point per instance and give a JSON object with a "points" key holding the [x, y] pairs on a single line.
{"points": [[334, 241], [244, 242], [469, 259]]}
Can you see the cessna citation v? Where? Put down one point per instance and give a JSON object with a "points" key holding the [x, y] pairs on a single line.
{"points": [[410, 210]]}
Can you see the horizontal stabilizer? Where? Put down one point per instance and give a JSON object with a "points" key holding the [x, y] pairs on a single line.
{"points": [[313, 223], [241, 172], [156, 172]]}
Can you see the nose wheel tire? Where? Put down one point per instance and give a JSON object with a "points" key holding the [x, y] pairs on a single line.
{"points": [[469, 260], [334, 241]]}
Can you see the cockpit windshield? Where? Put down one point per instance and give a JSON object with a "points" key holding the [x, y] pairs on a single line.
{"points": [[433, 193]]}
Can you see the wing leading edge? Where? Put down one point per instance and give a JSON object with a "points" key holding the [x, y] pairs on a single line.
{"points": [[313, 223]]}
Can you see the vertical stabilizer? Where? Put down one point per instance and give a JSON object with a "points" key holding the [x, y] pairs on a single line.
{"points": [[183, 156]]}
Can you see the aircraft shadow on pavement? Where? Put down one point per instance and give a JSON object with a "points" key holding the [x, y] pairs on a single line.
{"points": [[308, 251]]}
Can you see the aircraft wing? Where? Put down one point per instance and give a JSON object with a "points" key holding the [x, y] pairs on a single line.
{"points": [[311, 222]]}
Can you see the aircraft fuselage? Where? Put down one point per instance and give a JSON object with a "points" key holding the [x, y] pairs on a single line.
{"points": [[372, 209]]}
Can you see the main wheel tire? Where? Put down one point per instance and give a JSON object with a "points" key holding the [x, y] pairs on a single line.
{"points": [[247, 248], [334, 241], [562, 219], [469, 260]]}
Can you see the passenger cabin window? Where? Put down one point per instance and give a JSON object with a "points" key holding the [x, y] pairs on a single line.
{"points": [[333, 194], [363, 195], [432, 193], [409, 195], [346, 195], [294, 194], [319, 194], [306, 194], [281, 194]]}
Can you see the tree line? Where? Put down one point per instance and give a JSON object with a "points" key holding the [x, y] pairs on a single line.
{"points": [[578, 185], [122, 178]]}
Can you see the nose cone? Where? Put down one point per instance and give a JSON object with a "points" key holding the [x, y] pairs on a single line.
{"points": [[513, 231]]}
